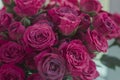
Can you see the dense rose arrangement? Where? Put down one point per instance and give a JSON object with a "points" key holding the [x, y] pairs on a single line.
{"points": [[53, 40]]}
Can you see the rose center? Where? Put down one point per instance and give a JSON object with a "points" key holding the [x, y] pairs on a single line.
{"points": [[53, 67]]}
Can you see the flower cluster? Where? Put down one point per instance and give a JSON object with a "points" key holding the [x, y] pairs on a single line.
{"points": [[53, 40]]}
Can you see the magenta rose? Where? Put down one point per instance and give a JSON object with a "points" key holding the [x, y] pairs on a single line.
{"points": [[95, 41], [39, 36], [27, 8], [105, 25], [11, 52], [71, 3], [67, 19], [50, 66], [7, 1], [42, 18], [5, 20], [113, 34], [116, 18], [76, 55], [34, 76], [90, 72], [90, 6], [11, 72], [16, 30], [85, 21], [3, 40]]}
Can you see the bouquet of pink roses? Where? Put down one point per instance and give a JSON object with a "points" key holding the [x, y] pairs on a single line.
{"points": [[53, 40]]}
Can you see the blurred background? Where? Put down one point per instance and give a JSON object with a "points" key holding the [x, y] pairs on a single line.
{"points": [[112, 6]]}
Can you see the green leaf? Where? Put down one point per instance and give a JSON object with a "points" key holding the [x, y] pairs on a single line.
{"points": [[110, 61], [68, 78], [26, 22]]}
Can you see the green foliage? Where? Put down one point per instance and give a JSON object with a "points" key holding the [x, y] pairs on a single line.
{"points": [[68, 78], [26, 22], [110, 61]]}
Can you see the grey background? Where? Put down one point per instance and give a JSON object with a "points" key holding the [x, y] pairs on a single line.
{"points": [[114, 51]]}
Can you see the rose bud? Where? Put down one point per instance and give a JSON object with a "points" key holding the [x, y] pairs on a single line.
{"points": [[27, 8], [11, 52], [105, 25], [5, 20], [85, 22], [11, 72], [16, 30], [51, 66], [76, 55], [67, 19], [89, 73], [95, 41], [90, 6], [39, 36], [34, 76]]}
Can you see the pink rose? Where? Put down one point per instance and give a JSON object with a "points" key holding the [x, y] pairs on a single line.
{"points": [[11, 52], [34, 76], [11, 72], [70, 3], [39, 36], [85, 21], [50, 66], [27, 8], [5, 20], [7, 1], [16, 30], [76, 55], [3, 40], [89, 73], [90, 6], [116, 18], [95, 41], [42, 18], [105, 25], [67, 19]]}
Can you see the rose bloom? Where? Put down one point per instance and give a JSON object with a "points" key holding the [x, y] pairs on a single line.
{"points": [[76, 55], [11, 52], [90, 72], [116, 18], [105, 25], [85, 22], [34, 76], [27, 8], [5, 19], [7, 1], [90, 6], [16, 30], [3, 40], [67, 19], [70, 3], [50, 66], [95, 41], [39, 36], [11, 72]]}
